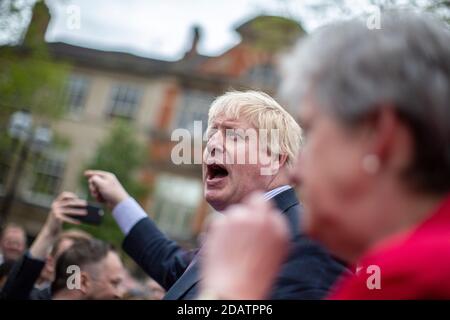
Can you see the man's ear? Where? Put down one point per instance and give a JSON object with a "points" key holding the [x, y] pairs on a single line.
{"points": [[276, 164], [85, 283], [282, 158]]}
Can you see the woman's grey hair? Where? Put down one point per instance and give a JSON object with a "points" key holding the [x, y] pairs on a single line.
{"points": [[352, 71]]}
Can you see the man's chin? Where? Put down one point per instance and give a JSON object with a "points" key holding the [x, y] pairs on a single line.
{"points": [[216, 199]]}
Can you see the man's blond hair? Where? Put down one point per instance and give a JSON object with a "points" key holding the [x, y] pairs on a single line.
{"points": [[262, 112]]}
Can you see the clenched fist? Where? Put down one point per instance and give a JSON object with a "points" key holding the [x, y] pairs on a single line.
{"points": [[244, 250], [105, 187]]}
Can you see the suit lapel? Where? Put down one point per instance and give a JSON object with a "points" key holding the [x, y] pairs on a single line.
{"points": [[283, 201], [184, 283]]}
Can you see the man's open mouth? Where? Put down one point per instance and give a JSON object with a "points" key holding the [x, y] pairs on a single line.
{"points": [[216, 171]]}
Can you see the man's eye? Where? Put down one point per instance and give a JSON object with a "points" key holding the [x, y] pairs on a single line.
{"points": [[233, 134], [211, 132], [116, 283]]}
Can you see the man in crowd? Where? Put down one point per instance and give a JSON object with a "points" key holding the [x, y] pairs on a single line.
{"points": [[5, 269], [50, 244], [13, 243], [61, 244], [88, 270], [308, 270]]}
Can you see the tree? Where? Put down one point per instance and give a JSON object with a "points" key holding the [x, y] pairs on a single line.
{"points": [[271, 33], [328, 9], [14, 15], [29, 78], [441, 8], [121, 154]]}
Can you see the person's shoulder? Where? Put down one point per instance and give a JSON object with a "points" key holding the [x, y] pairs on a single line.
{"points": [[41, 294], [420, 250], [423, 261]]}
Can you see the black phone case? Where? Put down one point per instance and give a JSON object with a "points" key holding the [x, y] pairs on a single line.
{"points": [[94, 215]]}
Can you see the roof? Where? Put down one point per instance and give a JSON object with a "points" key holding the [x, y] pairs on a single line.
{"points": [[109, 60]]}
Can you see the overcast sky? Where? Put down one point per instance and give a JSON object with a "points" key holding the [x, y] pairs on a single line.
{"points": [[161, 28]]}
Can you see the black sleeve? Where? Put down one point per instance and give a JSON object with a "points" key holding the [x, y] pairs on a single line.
{"points": [[309, 272], [21, 279], [161, 258]]}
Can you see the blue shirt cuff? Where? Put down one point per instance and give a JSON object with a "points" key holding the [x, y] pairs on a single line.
{"points": [[127, 213]]}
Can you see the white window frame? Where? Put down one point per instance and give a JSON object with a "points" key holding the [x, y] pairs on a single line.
{"points": [[53, 164], [77, 90], [175, 202], [124, 101], [193, 106]]}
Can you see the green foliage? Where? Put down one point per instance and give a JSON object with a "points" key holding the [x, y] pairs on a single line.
{"points": [[324, 9], [121, 154], [270, 33], [33, 83], [14, 15], [440, 8], [29, 78]]}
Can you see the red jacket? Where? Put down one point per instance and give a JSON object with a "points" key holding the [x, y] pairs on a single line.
{"points": [[413, 265]]}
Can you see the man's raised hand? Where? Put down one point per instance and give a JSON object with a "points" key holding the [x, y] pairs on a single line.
{"points": [[105, 187]]}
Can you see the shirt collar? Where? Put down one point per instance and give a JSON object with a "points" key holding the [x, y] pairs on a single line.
{"points": [[274, 192]]}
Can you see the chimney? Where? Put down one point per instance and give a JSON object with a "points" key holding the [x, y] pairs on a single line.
{"points": [[35, 34], [196, 34]]}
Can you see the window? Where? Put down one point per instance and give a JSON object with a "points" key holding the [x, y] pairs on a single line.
{"points": [[77, 89], [45, 178], [175, 201], [194, 106], [124, 101], [263, 75]]}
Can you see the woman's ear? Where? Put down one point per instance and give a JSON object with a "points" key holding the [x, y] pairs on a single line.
{"points": [[392, 141], [385, 126]]}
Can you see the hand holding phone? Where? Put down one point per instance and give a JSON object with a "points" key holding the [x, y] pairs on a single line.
{"points": [[94, 214]]}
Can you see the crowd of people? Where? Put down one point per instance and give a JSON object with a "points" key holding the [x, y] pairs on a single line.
{"points": [[69, 264], [356, 205]]}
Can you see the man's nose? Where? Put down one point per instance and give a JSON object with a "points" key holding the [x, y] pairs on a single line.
{"points": [[119, 292], [215, 144]]}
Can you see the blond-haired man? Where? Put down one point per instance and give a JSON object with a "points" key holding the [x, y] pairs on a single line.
{"points": [[251, 143]]}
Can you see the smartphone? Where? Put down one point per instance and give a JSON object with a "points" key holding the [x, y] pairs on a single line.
{"points": [[94, 214]]}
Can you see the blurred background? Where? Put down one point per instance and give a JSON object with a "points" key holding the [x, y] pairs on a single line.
{"points": [[102, 84]]}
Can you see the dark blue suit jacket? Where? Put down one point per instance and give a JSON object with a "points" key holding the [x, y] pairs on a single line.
{"points": [[21, 280], [308, 273]]}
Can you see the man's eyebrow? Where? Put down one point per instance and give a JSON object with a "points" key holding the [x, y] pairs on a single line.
{"points": [[227, 124]]}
